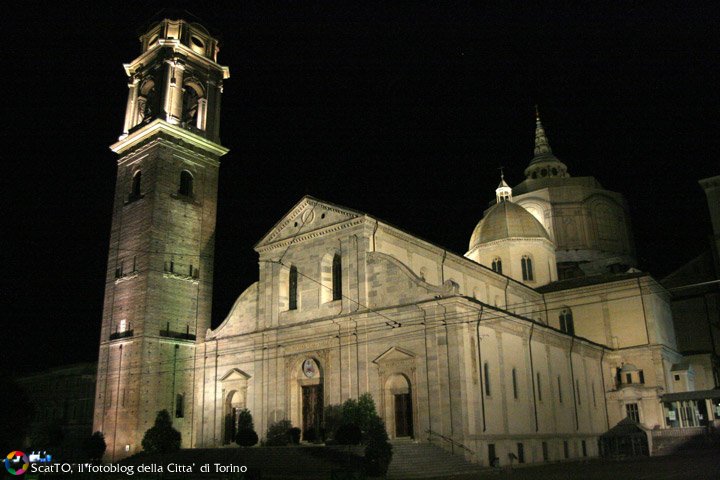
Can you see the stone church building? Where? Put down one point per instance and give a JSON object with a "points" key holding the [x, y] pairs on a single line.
{"points": [[536, 341]]}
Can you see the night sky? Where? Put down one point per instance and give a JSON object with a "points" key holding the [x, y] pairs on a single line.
{"points": [[404, 113]]}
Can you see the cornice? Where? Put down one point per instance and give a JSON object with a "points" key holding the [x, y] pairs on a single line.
{"points": [[176, 46], [159, 126]]}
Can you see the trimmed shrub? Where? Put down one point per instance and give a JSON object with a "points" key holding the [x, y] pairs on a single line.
{"points": [[278, 434], [295, 435], [348, 434], [246, 437], [161, 437], [245, 420]]}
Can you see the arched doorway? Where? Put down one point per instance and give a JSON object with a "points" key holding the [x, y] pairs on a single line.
{"points": [[234, 403], [399, 405], [234, 391], [311, 399]]}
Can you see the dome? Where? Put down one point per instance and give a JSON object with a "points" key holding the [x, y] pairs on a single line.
{"points": [[507, 220]]}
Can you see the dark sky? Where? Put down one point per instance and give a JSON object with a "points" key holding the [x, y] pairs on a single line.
{"points": [[405, 113]]}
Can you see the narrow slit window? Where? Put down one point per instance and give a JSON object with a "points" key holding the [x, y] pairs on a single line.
{"points": [[559, 385], [292, 288], [539, 388], [577, 389], [179, 406], [486, 372], [337, 277], [593, 395]]}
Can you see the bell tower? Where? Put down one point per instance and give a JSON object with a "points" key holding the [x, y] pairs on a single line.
{"points": [[158, 287]]}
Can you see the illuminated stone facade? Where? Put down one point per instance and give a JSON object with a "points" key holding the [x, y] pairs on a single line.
{"points": [[159, 279], [503, 360]]}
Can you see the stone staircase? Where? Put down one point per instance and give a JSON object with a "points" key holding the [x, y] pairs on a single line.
{"points": [[425, 460], [410, 460], [292, 462]]}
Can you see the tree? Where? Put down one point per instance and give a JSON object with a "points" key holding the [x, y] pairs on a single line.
{"points": [[94, 446], [378, 451], [359, 412], [333, 420], [245, 436], [348, 434], [161, 437]]}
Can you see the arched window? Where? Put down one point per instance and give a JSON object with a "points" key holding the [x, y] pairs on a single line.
{"points": [[527, 268], [193, 102], [515, 385], [292, 288], [566, 321], [497, 265], [186, 184], [136, 184], [147, 102], [337, 277], [486, 372], [179, 405]]}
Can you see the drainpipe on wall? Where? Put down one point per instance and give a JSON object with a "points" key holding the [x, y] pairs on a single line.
{"points": [[427, 371], [507, 284], [572, 384], [642, 302], [480, 368], [532, 375], [373, 234], [447, 356], [442, 268], [602, 377]]}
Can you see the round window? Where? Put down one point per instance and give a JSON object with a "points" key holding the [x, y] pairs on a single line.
{"points": [[310, 368]]}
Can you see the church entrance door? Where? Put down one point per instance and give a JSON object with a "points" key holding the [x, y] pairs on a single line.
{"points": [[403, 415], [312, 411]]}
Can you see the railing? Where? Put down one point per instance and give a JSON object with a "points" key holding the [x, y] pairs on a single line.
{"points": [[125, 334], [180, 335], [452, 442]]}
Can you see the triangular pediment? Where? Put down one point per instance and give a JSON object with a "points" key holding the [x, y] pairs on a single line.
{"points": [[307, 216], [394, 354], [234, 374]]}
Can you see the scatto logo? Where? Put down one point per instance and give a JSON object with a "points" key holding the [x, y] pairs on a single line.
{"points": [[16, 462]]}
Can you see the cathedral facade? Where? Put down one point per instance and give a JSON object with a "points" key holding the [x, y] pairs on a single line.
{"points": [[535, 342]]}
